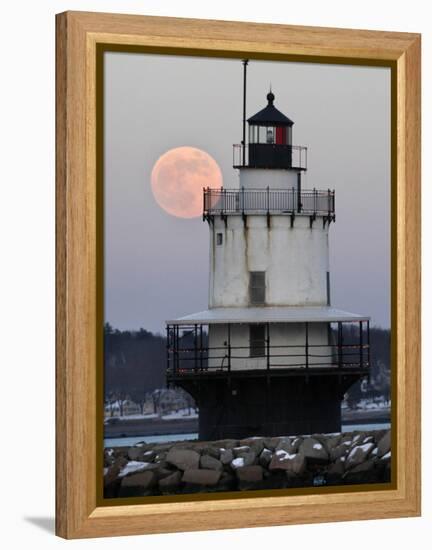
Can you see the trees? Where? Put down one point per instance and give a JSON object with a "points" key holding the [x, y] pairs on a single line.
{"points": [[134, 364], [379, 381]]}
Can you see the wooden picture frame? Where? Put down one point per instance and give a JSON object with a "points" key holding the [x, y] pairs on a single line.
{"points": [[81, 38]]}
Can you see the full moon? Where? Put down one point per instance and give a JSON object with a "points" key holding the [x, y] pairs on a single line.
{"points": [[178, 178]]}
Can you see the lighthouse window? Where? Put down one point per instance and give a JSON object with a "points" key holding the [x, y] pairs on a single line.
{"points": [[257, 287], [257, 340], [219, 239]]}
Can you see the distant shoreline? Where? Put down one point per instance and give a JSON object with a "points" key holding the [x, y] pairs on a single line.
{"points": [[157, 426]]}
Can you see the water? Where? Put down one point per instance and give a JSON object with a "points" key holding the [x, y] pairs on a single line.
{"points": [[365, 427], [130, 441]]}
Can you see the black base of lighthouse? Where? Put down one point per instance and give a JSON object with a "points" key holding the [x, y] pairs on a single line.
{"points": [[247, 405]]}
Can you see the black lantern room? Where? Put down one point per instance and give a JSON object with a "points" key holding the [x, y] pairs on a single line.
{"points": [[270, 138]]}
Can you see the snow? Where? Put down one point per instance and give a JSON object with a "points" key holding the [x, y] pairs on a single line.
{"points": [[367, 404], [348, 443], [244, 448], [365, 448], [237, 463], [284, 455], [318, 446], [374, 452], [342, 459], [132, 467], [134, 416], [182, 413], [105, 471], [109, 452], [386, 456]]}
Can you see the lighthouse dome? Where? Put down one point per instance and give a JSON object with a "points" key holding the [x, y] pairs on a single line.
{"points": [[270, 116]]}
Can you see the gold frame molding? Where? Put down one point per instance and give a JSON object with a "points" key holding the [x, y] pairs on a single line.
{"points": [[81, 38]]}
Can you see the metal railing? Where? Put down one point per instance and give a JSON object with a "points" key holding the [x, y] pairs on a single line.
{"points": [[264, 155], [188, 353], [229, 201]]}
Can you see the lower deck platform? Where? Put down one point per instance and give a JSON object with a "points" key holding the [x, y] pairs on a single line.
{"points": [[255, 403]]}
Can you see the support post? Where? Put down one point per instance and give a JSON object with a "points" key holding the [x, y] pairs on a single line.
{"points": [[195, 343], [307, 344], [361, 344], [229, 347], [268, 347], [368, 342], [167, 348], [176, 354], [268, 205], [299, 202], [339, 344], [201, 349]]}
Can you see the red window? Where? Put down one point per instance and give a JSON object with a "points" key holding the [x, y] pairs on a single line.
{"points": [[280, 135]]}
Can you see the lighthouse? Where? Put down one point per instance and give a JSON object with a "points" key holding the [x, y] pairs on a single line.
{"points": [[270, 356]]}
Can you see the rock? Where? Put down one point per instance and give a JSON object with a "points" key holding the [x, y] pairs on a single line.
{"points": [[227, 482], [265, 457], [160, 457], [163, 472], [111, 479], [225, 443], [347, 440], [271, 442], [211, 451], [109, 457], [282, 460], [135, 453], [249, 477], [290, 444], [362, 473], [209, 463], [241, 450], [338, 452], [250, 473], [314, 451], [379, 434], [333, 442], [256, 444], [321, 439], [226, 456], [170, 482], [135, 466], [162, 447], [335, 472], [149, 456], [386, 458], [358, 454], [249, 458], [237, 463], [201, 477], [183, 459], [384, 444], [137, 484]]}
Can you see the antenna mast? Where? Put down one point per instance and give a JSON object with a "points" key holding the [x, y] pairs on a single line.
{"points": [[245, 62]]}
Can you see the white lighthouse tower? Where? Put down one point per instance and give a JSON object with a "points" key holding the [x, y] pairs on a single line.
{"points": [[270, 355]]}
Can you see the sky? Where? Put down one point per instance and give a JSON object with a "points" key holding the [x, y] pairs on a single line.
{"points": [[156, 264]]}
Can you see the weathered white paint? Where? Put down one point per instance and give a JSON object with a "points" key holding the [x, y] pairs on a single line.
{"points": [[261, 178], [281, 336], [295, 259]]}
